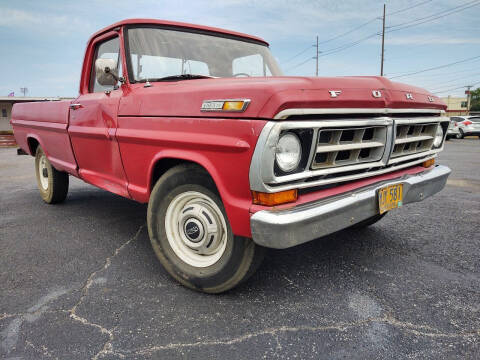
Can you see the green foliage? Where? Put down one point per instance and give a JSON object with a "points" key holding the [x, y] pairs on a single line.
{"points": [[475, 100]]}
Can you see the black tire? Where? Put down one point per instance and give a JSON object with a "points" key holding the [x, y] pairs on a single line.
{"points": [[370, 221], [240, 257], [57, 188], [460, 134]]}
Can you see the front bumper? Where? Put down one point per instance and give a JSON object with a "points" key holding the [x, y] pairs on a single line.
{"points": [[282, 229]]}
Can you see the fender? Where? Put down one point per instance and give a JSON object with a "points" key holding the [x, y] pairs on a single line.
{"points": [[237, 208]]}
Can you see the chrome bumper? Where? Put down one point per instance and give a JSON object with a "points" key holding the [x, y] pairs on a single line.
{"points": [[285, 228]]}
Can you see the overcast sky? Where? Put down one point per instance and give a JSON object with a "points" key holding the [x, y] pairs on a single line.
{"points": [[42, 42]]}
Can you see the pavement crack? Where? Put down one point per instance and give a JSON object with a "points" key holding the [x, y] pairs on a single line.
{"points": [[425, 330], [6, 316], [108, 261], [418, 330], [43, 350], [269, 331], [107, 346]]}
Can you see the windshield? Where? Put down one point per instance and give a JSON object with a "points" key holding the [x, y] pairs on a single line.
{"points": [[156, 53]]}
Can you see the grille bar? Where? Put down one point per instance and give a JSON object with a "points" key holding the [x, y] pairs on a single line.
{"points": [[413, 138], [365, 145]]}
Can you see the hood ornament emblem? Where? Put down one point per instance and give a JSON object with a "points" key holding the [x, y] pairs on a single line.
{"points": [[376, 93], [409, 96], [430, 98], [334, 93]]}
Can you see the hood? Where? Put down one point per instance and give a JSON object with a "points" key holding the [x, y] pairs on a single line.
{"points": [[270, 95]]}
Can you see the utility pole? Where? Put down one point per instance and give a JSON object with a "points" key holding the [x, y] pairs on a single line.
{"points": [[316, 71], [383, 40], [24, 90], [468, 98]]}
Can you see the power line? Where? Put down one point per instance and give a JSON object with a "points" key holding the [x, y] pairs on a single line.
{"points": [[298, 65], [300, 53], [441, 85], [370, 21], [348, 45], [441, 73], [436, 67], [408, 8], [460, 87], [349, 31], [432, 17]]}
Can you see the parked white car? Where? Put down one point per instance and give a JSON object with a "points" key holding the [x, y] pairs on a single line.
{"points": [[461, 126]]}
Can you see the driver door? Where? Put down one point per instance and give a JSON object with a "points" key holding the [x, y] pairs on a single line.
{"points": [[93, 124]]}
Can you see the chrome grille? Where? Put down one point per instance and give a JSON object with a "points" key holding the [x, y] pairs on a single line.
{"points": [[413, 138], [340, 147]]}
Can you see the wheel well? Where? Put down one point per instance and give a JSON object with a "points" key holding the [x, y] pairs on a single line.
{"points": [[163, 165], [32, 145]]}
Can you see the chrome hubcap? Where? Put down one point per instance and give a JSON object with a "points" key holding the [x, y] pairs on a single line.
{"points": [[196, 229], [43, 172]]}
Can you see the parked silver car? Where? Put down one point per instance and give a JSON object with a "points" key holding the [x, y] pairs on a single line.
{"points": [[461, 126]]}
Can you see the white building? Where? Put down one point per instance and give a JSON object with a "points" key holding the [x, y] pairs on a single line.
{"points": [[6, 104]]}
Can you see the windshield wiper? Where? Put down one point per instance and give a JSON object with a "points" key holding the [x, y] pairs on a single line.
{"points": [[182, 77]]}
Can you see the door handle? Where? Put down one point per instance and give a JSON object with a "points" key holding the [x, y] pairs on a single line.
{"points": [[76, 106]]}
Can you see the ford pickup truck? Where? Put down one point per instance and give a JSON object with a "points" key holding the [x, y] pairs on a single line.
{"points": [[231, 156]]}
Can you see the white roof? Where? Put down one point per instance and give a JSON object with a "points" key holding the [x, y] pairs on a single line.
{"points": [[26, 98]]}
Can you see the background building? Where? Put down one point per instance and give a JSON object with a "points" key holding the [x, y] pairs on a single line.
{"points": [[6, 104], [456, 105]]}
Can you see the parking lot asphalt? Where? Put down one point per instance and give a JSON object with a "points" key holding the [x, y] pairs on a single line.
{"points": [[80, 280]]}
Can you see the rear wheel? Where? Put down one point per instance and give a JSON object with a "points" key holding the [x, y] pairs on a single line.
{"points": [[53, 184], [191, 235], [460, 134]]}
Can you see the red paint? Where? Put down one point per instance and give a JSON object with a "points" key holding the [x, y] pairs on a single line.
{"points": [[114, 140]]}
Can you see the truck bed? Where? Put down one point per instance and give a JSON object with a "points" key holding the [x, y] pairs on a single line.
{"points": [[46, 124]]}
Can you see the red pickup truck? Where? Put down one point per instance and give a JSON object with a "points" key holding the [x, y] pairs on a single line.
{"points": [[230, 155]]}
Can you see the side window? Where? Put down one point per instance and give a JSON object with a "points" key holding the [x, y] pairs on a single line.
{"points": [[109, 49], [4, 113]]}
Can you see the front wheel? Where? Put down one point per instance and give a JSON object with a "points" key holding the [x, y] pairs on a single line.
{"points": [[191, 235], [53, 184]]}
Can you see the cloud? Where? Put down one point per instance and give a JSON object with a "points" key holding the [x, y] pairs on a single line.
{"points": [[44, 22]]}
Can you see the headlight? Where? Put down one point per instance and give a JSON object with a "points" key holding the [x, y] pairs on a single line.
{"points": [[288, 152], [437, 141]]}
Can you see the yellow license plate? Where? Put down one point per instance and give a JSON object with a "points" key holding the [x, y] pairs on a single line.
{"points": [[390, 197]]}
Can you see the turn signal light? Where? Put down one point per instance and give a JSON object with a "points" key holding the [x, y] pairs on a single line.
{"points": [[233, 105], [271, 199], [428, 163]]}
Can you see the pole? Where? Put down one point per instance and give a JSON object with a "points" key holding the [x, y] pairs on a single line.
{"points": [[383, 40], [316, 71], [468, 98]]}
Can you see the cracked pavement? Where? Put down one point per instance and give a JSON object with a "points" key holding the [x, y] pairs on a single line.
{"points": [[80, 281]]}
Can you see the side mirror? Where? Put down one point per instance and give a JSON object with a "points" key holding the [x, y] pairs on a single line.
{"points": [[106, 72]]}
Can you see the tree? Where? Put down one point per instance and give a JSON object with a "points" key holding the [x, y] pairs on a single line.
{"points": [[475, 100]]}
